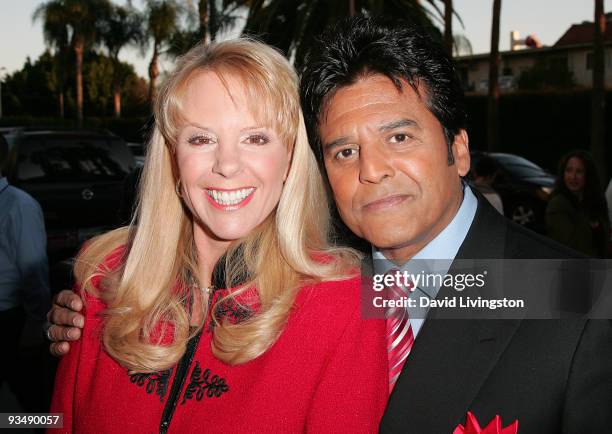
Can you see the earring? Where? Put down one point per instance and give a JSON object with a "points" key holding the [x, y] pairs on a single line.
{"points": [[177, 188]]}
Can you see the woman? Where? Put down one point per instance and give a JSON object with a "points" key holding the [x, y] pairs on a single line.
{"points": [[577, 214], [224, 309]]}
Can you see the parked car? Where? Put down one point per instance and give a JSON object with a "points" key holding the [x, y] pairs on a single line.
{"points": [[76, 176], [138, 151], [523, 186]]}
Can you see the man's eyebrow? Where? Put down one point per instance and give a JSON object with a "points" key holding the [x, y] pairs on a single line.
{"points": [[397, 124], [338, 142]]}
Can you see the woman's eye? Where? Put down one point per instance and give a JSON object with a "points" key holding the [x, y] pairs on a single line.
{"points": [[346, 153], [257, 139], [200, 140]]}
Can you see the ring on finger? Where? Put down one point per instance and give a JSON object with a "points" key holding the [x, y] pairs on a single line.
{"points": [[47, 328]]}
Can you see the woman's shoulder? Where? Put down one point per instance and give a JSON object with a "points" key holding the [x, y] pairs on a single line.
{"points": [[110, 263], [98, 278], [331, 298]]}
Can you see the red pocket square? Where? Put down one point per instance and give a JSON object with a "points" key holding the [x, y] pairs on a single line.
{"points": [[494, 427]]}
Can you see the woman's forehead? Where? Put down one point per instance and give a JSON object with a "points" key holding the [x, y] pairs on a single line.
{"points": [[223, 88]]}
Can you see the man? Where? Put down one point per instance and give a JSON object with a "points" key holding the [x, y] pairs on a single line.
{"points": [[24, 290], [384, 108]]}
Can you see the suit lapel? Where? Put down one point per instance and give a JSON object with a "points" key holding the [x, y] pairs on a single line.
{"points": [[451, 359]]}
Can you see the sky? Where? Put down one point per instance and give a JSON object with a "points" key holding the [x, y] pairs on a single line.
{"points": [[547, 19]]}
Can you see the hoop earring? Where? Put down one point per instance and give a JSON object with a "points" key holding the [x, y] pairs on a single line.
{"points": [[177, 188]]}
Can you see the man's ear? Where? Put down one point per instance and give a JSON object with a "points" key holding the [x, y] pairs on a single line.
{"points": [[461, 152]]}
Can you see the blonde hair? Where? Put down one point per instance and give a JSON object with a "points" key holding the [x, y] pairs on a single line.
{"points": [[281, 255]]}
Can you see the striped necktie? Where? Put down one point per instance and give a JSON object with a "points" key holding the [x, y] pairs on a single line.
{"points": [[399, 332]]}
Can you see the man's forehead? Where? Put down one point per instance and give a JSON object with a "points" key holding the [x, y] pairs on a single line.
{"points": [[376, 97]]}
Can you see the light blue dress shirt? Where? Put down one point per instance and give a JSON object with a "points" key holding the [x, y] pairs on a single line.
{"points": [[436, 257], [24, 277]]}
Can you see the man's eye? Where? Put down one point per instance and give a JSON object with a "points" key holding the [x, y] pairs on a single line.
{"points": [[257, 139], [200, 140], [399, 138], [346, 153]]}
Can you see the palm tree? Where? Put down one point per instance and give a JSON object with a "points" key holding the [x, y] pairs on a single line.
{"points": [[121, 27], [598, 98], [448, 14], [81, 20], [448, 26], [462, 45], [55, 33], [205, 13], [493, 100], [212, 18], [292, 26], [162, 21]]}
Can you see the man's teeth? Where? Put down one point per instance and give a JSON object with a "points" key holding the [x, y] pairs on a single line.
{"points": [[230, 197]]}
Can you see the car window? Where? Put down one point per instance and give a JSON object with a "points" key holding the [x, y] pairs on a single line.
{"points": [[58, 159], [519, 166]]}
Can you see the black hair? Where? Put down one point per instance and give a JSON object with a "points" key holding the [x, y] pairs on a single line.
{"points": [[593, 199], [360, 46]]}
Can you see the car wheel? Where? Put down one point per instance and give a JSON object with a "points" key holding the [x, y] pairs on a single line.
{"points": [[523, 214]]}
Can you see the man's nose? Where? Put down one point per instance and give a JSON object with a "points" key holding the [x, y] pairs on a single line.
{"points": [[228, 161], [374, 165]]}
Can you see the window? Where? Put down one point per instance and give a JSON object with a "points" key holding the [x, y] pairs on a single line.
{"points": [[558, 63], [589, 61]]}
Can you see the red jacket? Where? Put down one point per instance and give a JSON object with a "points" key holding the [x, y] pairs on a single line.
{"points": [[326, 373]]}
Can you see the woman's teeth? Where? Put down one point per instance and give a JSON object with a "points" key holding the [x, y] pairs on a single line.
{"points": [[233, 197]]}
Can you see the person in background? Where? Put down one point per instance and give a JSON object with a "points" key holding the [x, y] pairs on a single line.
{"points": [[484, 172], [577, 215], [24, 290]]}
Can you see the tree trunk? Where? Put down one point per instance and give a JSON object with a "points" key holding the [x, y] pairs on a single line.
{"points": [[598, 100], [212, 20], [448, 26], [352, 8], [60, 104], [153, 73], [493, 100], [204, 24], [116, 83], [254, 10], [117, 98], [78, 51]]}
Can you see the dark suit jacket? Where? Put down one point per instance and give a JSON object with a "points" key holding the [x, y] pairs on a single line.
{"points": [[554, 376]]}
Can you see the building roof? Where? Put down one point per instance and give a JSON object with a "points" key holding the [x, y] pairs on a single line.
{"points": [[583, 33]]}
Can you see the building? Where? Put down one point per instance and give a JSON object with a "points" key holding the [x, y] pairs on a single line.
{"points": [[568, 63]]}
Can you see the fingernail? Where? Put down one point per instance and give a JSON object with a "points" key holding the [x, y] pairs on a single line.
{"points": [[71, 334], [78, 321], [73, 305]]}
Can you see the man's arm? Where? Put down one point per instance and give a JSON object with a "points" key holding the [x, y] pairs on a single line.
{"points": [[31, 245], [589, 388]]}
